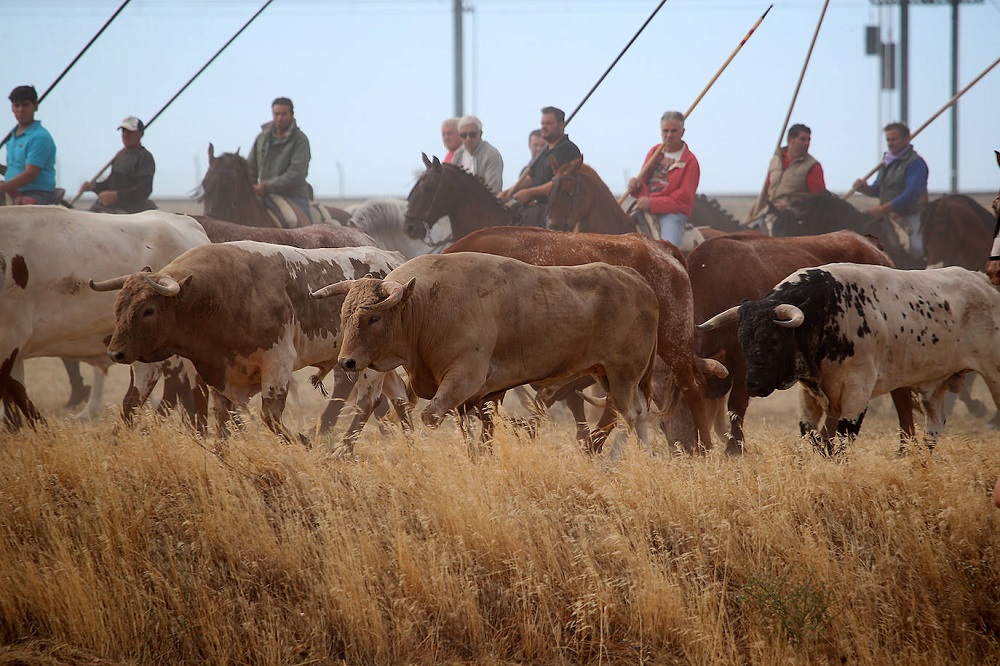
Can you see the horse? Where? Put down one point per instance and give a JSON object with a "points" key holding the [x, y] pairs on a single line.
{"points": [[384, 220], [825, 212], [581, 201], [956, 232], [227, 193], [449, 190]]}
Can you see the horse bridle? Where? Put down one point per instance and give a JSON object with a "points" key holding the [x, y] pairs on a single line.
{"points": [[427, 213], [996, 230], [557, 182]]}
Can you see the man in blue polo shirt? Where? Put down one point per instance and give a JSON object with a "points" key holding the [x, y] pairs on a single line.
{"points": [[31, 153]]}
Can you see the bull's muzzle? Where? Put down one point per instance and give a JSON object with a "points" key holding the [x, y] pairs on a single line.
{"points": [[116, 356], [349, 364]]}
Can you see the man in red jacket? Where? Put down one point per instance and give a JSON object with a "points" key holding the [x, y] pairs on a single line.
{"points": [[667, 188]]}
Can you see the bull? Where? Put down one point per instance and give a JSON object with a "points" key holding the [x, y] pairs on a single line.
{"points": [[467, 327], [241, 313], [45, 306], [849, 332]]}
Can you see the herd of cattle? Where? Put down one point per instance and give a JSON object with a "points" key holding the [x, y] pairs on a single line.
{"points": [[679, 342]]}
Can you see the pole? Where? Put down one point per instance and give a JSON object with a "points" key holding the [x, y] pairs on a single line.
{"points": [[937, 113], [73, 62], [615, 62], [656, 154], [183, 88], [459, 60], [788, 116], [524, 174]]}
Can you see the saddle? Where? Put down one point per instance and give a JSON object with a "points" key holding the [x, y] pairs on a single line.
{"points": [[287, 215], [647, 225]]}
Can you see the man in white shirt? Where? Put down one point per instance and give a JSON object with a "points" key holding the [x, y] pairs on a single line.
{"points": [[477, 156]]}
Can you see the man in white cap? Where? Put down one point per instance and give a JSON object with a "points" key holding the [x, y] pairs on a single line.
{"points": [[128, 187]]}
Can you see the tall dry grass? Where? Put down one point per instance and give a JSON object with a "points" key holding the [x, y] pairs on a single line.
{"points": [[164, 548]]}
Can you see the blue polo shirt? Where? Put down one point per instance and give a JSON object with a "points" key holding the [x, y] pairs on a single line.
{"points": [[34, 146]]}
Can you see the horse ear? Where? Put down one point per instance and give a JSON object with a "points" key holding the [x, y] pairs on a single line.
{"points": [[575, 164], [237, 152], [437, 162], [427, 162], [552, 163], [998, 156], [211, 153]]}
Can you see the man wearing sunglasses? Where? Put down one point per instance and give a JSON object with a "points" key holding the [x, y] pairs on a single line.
{"points": [[477, 156]]}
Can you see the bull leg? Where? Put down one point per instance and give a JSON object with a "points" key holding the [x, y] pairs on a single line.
{"points": [[272, 406], [343, 384], [79, 392], [367, 392], [847, 409], [935, 413], [739, 399], [15, 395], [810, 414], [93, 406], [142, 379], [394, 388], [456, 387], [902, 400], [222, 411]]}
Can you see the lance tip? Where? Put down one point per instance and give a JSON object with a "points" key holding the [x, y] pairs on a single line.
{"points": [[767, 10]]}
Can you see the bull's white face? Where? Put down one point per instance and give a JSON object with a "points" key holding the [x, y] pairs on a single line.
{"points": [[143, 320], [371, 334]]}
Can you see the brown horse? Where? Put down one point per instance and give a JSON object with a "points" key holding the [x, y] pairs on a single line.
{"points": [[449, 190], [956, 232], [227, 194], [581, 201]]}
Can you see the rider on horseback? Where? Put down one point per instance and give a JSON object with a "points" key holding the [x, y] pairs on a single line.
{"points": [[901, 185], [279, 160], [792, 173]]}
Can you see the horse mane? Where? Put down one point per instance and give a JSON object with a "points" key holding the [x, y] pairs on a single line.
{"points": [[723, 219], [594, 180], [376, 216], [465, 175]]}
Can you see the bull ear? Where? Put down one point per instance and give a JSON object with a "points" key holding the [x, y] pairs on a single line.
{"points": [[427, 162], [788, 316], [335, 289], [721, 319], [114, 284]]}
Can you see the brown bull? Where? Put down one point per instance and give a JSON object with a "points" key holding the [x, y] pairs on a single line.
{"points": [[467, 327], [659, 263]]}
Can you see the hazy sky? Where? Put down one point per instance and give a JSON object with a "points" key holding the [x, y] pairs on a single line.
{"points": [[372, 80]]}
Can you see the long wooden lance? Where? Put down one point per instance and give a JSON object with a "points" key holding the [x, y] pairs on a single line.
{"points": [[178, 93], [656, 153], [920, 129], [527, 170], [73, 62], [777, 149]]}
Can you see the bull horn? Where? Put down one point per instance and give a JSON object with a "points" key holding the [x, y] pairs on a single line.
{"points": [[114, 284], [788, 316], [721, 319], [335, 289], [709, 367], [166, 286], [396, 293]]}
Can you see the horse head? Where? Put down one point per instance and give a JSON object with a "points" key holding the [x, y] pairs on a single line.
{"points": [[226, 185], [422, 205], [956, 231], [568, 202]]}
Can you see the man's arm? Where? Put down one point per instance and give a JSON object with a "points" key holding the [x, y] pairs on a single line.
{"points": [[915, 185], [26, 177], [529, 194], [815, 181]]}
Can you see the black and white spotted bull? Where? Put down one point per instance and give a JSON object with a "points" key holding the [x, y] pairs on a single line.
{"points": [[849, 332]]}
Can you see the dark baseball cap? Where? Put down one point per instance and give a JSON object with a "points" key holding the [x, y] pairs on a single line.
{"points": [[23, 94]]}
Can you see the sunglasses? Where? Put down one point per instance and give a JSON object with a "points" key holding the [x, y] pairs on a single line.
{"points": [[468, 135]]}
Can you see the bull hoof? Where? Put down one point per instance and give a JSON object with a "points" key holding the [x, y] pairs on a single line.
{"points": [[79, 396]]}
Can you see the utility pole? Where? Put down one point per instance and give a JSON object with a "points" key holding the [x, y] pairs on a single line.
{"points": [[886, 54]]}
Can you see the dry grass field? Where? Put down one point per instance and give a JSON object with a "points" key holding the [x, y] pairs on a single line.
{"points": [[157, 547]]}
